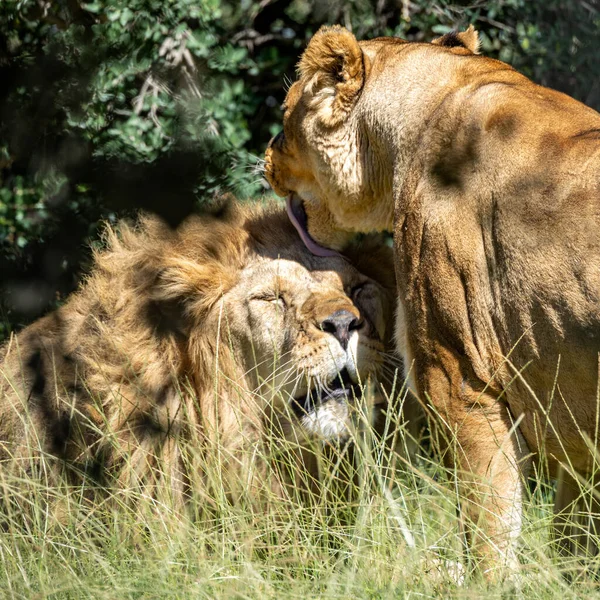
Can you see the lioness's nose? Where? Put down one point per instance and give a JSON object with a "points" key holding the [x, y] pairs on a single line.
{"points": [[276, 141], [340, 324]]}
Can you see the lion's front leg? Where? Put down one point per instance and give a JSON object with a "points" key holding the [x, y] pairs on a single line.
{"points": [[482, 444]]}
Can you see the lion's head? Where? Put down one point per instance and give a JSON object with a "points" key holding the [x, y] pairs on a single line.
{"points": [[216, 331], [299, 333]]}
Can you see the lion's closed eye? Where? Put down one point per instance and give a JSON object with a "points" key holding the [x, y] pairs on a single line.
{"points": [[270, 297]]}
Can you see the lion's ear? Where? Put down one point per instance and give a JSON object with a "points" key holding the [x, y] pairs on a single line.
{"points": [[189, 288], [468, 39], [333, 70], [373, 255]]}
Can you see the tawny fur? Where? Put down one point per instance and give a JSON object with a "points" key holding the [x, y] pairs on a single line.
{"points": [[491, 185]]}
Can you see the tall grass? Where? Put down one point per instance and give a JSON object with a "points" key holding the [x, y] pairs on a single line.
{"points": [[378, 526]]}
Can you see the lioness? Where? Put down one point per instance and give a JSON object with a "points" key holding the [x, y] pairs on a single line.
{"points": [[213, 334], [491, 185]]}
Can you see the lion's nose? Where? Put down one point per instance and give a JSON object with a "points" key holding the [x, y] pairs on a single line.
{"points": [[340, 324]]}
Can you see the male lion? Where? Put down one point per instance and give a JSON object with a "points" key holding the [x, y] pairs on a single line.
{"points": [[491, 185], [214, 335]]}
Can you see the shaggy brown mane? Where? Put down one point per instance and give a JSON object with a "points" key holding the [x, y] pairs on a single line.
{"points": [[142, 357]]}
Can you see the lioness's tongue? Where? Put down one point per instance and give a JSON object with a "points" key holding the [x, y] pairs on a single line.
{"points": [[297, 216]]}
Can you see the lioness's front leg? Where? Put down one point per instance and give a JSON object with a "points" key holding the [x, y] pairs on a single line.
{"points": [[481, 443]]}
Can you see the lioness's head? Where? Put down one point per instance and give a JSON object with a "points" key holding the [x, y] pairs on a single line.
{"points": [[344, 128]]}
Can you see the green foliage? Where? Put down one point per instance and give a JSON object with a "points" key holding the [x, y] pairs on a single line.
{"points": [[109, 106], [21, 213]]}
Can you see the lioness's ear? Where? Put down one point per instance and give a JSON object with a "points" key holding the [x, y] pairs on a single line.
{"points": [[333, 69], [468, 39]]}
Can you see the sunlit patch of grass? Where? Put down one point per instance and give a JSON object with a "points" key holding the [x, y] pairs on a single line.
{"points": [[391, 532]]}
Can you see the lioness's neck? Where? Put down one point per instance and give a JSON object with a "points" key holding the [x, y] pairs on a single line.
{"points": [[414, 92], [390, 130], [418, 91]]}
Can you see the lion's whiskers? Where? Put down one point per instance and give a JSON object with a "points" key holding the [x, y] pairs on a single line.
{"points": [[278, 372]]}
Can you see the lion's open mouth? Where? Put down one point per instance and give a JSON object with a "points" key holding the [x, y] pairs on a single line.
{"points": [[342, 388], [297, 215]]}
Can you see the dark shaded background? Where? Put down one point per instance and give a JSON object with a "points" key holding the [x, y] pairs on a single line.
{"points": [[109, 106]]}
